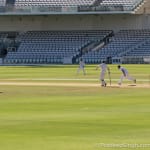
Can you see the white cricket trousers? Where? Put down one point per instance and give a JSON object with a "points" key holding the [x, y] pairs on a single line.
{"points": [[126, 77]]}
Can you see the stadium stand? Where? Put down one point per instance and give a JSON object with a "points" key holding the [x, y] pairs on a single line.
{"points": [[70, 40], [60, 5], [141, 49], [126, 4], [124, 43], [54, 46], [49, 6], [53, 2]]}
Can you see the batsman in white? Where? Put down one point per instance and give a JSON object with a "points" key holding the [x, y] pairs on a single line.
{"points": [[103, 66], [81, 66], [124, 75]]}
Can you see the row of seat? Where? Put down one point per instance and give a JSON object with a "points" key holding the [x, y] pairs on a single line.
{"points": [[34, 61], [124, 43], [54, 2], [141, 50]]}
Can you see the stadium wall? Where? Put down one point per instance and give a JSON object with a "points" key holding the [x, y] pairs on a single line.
{"points": [[144, 8], [74, 22]]}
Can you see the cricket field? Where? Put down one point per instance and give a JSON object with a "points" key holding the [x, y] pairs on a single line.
{"points": [[53, 108]]}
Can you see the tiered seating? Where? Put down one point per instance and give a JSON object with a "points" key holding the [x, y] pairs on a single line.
{"points": [[140, 51], [54, 2], [53, 46], [78, 5], [125, 4], [122, 42], [69, 5]]}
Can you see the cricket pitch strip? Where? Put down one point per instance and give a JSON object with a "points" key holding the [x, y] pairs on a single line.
{"points": [[72, 84]]}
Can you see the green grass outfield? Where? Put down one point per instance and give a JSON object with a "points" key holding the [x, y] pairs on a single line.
{"points": [[35, 117]]}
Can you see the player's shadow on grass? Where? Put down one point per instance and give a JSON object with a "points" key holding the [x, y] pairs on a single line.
{"points": [[1, 92], [132, 85], [113, 86]]}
